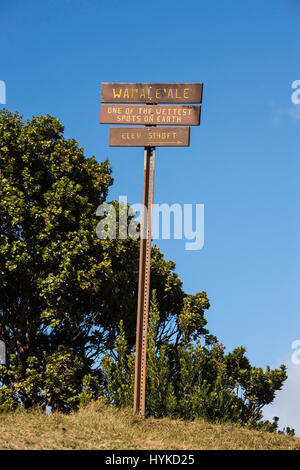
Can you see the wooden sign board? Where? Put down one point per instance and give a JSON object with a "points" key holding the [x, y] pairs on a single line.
{"points": [[182, 93], [150, 115], [149, 137]]}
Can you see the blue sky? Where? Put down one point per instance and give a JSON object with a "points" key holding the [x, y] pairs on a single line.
{"points": [[243, 161]]}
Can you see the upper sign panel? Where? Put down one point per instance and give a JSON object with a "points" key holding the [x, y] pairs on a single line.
{"points": [[183, 93]]}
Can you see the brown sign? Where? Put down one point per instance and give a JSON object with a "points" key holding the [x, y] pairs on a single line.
{"points": [[149, 137], [150, 115], [182, 93]]}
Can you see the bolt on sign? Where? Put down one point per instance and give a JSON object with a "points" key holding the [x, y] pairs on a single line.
{"points": [[146, 110]]}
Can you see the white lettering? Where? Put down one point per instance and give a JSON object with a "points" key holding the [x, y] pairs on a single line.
{"points": [[296, 94]]}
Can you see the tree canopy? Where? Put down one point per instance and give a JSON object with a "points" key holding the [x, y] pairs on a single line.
{"points": [[60, 285]]}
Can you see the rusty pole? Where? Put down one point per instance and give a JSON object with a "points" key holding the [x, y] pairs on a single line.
{"points": [[144, 283]]}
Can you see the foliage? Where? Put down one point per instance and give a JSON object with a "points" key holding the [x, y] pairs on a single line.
{"points": [[60, 285], [118, 374], [191, 378], [60, 381]]}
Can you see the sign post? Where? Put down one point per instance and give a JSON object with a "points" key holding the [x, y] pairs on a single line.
{"points": [[149, 137], [144, 283]]}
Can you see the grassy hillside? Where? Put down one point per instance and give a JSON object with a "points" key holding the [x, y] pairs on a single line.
{"points": [[103, 427]]}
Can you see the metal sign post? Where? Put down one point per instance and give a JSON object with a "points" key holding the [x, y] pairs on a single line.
{"points": [[144, 283], [149, 137]]}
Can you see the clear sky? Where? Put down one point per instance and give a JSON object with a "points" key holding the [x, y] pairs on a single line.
{"points": [[243, 161]]}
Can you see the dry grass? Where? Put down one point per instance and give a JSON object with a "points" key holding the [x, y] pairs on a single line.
{"points": [[103, 427]]}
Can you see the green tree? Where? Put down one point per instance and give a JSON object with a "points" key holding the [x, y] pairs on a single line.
{"points": [[189, 375], [60, 285]]}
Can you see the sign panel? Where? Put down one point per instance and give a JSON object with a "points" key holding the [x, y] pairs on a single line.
{"points": [[182, 93], [150, 115], [149, 137]]}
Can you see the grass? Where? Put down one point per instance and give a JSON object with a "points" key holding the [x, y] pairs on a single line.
{"points": [[102, 427]]}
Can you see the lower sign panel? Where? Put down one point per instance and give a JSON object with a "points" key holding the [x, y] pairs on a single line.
{"points": [[149, 137]]}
